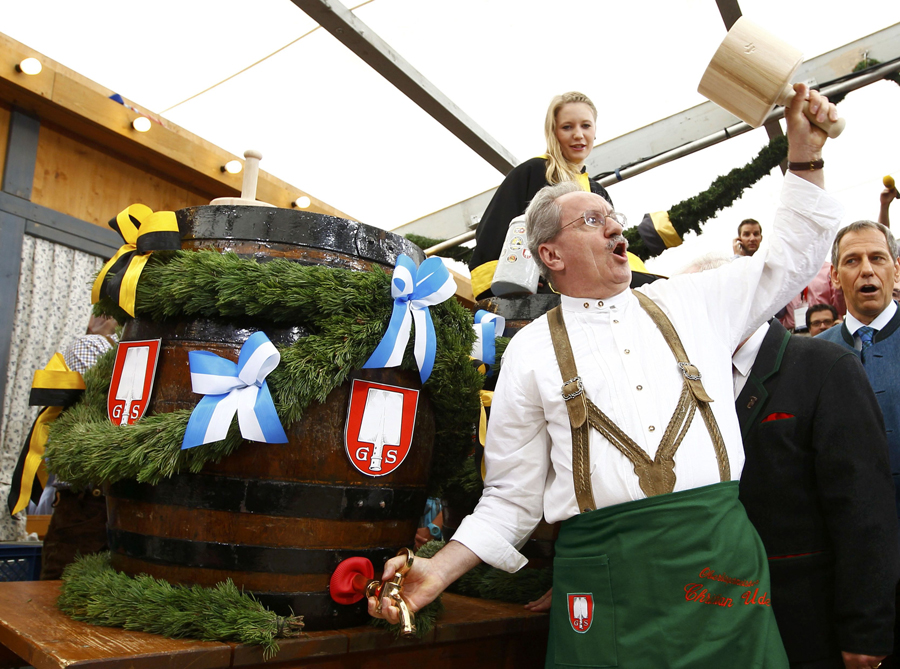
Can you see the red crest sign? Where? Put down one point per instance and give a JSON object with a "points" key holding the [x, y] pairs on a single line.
{"points": [[380, 424], [581, 611], [132, 380]]}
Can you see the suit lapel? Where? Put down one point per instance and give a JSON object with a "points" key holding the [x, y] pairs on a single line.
{"points": [[888, 329], [755, 395], [847, 337]]}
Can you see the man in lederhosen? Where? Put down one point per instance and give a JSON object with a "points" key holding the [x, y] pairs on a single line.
{"points": [[614, 414]]}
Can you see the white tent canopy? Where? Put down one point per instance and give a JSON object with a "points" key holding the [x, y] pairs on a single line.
{"points": [[327, 123]]}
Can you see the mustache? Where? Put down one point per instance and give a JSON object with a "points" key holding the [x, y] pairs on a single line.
{"points": [[615, 241]]}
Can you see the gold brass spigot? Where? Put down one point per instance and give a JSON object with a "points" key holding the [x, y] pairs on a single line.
{"points": [[393, 590]]}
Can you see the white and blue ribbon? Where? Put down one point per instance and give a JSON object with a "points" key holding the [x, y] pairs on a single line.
{"points": [[488, 327], [413, 290], [230, 388]]}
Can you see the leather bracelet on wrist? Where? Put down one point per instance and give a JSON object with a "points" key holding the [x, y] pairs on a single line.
{"points": [[807, 166]]}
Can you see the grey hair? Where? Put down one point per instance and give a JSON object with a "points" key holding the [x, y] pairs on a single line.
{"points": [[710, 260], [542, 219], [856, 227]]}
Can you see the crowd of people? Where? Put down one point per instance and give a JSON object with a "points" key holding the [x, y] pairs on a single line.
{"points": [[728, 492]]}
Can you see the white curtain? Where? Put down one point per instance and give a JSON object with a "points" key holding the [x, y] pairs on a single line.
{"points": [[52, 308]]}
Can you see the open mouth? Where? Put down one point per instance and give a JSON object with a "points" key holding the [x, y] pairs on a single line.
{"points": [[620, 249], [868, 289]]}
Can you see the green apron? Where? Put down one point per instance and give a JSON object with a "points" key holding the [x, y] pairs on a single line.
{"points": [[676, 580]]}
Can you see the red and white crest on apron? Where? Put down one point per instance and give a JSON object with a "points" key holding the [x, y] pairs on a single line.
{"points": [[380, 424], [581, 611], [132, 380]]}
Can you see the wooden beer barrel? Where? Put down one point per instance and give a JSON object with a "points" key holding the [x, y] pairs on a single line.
{"points": [[275, 518]]}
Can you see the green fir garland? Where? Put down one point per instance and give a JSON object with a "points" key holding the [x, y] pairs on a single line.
{"points": [[863, 65], [688, 215], [93, 592], [346, 313]]}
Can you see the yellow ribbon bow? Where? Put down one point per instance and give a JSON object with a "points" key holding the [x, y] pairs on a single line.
{"points": [[487, 396], [144, 231], [55, 387]]}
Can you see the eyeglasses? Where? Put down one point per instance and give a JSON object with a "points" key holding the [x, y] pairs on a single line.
{"points": [[827, 321], [597, 219]]}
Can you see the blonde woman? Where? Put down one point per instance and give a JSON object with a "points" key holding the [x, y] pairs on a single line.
{"points": [[570, 128]]}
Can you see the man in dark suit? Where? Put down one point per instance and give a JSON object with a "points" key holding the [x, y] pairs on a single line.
{"points": [[864, 265], [817, 486]]}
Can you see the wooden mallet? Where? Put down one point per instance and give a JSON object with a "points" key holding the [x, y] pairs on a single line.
{"points": [[751, 72]]}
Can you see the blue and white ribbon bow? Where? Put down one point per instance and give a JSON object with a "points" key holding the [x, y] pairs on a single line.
{"points": [[230, 388], [413, 290], [488, 327]]}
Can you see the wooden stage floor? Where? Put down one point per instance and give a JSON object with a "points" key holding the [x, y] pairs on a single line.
{"points": [[471, 633]]}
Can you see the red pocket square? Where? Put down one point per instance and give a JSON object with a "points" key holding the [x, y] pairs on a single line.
{"points": [[777, 416]]}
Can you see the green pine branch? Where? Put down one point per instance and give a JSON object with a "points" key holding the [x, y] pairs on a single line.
{"points": [[688, 215], [93, 592]]}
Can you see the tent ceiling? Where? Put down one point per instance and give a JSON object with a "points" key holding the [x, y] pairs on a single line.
{"points": [[326, 122]]}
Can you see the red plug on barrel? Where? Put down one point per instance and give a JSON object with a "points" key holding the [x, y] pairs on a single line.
{"points": [[349, 580]]}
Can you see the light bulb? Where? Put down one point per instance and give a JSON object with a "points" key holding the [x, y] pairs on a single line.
{"points": [[30, 66], [233, 167], [141, 124], [302, 202]]}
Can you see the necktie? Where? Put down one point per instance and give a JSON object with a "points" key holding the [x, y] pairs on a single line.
{"points": [[865, 334]]}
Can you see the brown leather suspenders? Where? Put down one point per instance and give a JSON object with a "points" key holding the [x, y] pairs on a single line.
{"points": [[656, 476]]}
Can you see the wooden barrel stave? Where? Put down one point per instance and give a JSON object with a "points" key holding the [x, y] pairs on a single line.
{"points": [[199, 524]]}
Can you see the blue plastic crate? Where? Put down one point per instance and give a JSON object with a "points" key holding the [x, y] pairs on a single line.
{"points": [[20, 561]]}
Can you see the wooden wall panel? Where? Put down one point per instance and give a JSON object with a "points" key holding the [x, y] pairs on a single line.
{"points": [[4, 134], [65, 99], [82, 181]]}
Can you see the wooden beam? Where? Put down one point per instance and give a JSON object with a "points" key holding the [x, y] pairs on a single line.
{"points": [[61, 228], [18, 177], [730, 12], [464, 293], [76, 104], [362, 40], [12, 232], [21, 154]]}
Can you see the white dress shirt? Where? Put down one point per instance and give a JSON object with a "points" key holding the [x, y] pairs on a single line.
{"points": [[630, 373], [882, 319], [743, 359]]}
